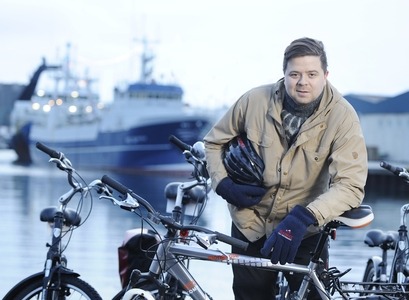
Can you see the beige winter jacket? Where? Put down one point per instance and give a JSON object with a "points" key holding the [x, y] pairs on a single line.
{"points": [[325, 169]]}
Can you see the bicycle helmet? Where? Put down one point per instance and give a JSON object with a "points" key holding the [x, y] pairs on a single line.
{"points": [[242, 163]]}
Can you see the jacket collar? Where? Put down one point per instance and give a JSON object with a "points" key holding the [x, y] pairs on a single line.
{"points": [[329, 98], [318, 119]]}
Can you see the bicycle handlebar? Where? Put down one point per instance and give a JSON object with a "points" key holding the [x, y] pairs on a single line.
{"points": [[64, 164], [178, 143], [395, 170], [165, 220], [398, 171], [52, 153], [60, 160], [197, 150]]}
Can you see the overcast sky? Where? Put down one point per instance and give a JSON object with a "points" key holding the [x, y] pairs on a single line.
{"points": [[216, 49]]}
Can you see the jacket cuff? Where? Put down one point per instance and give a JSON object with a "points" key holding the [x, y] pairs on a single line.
{"points": [[315, 217]]}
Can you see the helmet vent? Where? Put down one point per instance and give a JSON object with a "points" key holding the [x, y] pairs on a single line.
{"points": [[242, 162]]}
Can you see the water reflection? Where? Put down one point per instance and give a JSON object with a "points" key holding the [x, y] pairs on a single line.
{"points": [[93, 248]]}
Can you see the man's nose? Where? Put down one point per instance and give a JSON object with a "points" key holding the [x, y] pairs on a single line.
{"points": [[302, 80]]}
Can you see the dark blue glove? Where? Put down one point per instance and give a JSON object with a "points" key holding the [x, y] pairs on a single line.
{"points": [[240, 195], [283, 243]]}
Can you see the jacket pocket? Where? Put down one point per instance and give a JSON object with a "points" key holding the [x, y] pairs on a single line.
{"points": [[259, 138], [270, 151]]}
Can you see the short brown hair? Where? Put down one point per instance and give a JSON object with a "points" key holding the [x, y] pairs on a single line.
{"points": [[305, 47]]}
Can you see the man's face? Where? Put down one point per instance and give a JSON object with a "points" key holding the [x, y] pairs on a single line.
{"points": [[304, 78]]}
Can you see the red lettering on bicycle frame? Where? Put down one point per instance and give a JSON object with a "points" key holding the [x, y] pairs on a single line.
{"points": [[190, 285], [222, 257]]}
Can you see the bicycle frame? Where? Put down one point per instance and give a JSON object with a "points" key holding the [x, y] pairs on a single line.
{"points": [[170, 256], [56, 280], [178, 270], [58, 219], [55, 261], [376, 269], [175, 249], [398, 269]]}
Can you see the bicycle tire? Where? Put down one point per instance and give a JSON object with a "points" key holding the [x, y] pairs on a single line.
{"points": [[369, 276], [174, 293], [72, 288]]}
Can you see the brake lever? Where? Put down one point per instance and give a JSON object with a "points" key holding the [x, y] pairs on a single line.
{"points": [[129, 203], [205, 240], [101, 188], [404, 175], [63, 164]]}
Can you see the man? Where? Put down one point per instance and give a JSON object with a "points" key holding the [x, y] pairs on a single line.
{"points": [[310, 140]]}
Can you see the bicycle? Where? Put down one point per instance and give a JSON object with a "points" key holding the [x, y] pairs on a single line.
{"points": [[184, 200], [57, 281], [171, 253], [377, 266]]}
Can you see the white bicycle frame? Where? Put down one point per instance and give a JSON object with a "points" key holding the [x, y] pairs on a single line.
{"points": [[171, 255], [169, 258], [171, 264]]}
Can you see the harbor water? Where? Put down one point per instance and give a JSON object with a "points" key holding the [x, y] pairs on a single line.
{"points": [[92, 249]]}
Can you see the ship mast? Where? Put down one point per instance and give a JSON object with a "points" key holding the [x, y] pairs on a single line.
{"points": [[146, 63]]}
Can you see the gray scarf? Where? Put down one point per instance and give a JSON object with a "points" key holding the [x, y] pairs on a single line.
{"points": [[295, 114]]}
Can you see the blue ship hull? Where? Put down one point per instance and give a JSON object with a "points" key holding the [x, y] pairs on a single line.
{"points": [[130, 133], [141, 148]]}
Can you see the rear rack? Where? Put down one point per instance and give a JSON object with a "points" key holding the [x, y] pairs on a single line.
{"points": [[401, 291]]}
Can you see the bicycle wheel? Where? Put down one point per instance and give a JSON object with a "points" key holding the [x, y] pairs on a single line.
{"points": [[72, 288], [369, 276]]}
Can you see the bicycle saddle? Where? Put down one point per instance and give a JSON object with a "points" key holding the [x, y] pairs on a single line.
{"points": [[71, 217], [195, 194], [377, 237], [356, 217]]}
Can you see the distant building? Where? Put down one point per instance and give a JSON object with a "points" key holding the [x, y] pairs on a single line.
{"points": [[385, 124]]}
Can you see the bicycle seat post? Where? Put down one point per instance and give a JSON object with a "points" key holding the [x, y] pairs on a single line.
{"points": [[325, 233], [177, 212]]}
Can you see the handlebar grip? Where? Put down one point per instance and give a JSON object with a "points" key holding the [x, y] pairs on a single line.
{"points": [[115, 184], [391, 168], [232, 241], [178, 143], [52, 153], [125, 190]]}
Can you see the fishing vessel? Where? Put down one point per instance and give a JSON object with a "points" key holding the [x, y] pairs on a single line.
{"points": [[129, 134]]}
